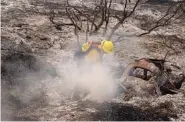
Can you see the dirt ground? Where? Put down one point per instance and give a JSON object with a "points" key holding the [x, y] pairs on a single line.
{"points": [[38, 72]]}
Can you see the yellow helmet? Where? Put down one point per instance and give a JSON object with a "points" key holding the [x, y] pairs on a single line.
{"points": [[107, 46], [85, 46]]}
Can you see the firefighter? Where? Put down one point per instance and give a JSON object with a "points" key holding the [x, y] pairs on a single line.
{"points": [[92, 52]]}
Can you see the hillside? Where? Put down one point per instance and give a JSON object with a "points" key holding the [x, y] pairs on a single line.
{"points": [[38, 71]]}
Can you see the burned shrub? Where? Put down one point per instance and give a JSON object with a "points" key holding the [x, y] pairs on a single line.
{"points": [[22, 86], [16, 67]]}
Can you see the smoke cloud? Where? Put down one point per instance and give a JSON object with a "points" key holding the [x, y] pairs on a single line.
{"points": [[34, 83], [96, 79]]}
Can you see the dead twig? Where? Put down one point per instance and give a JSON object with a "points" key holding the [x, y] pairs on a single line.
{"points": [[164, 20], [125, 15], [57, 25], [108, 17], [76, 27]]}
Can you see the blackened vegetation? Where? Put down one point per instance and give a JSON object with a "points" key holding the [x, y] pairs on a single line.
{"points": [[19, 72], [93, 18], [175, 11], [99, 16], [126, 112], [18, 65]]}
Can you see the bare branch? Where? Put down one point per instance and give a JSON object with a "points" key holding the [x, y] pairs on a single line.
{"points": [[93, 21], [87, 30], [125, 15], [75, 25], [164, 20], [124, 11], [72, 19], [133, 8], [108, 17], [85, 15], [102, 11], [57, 25]]}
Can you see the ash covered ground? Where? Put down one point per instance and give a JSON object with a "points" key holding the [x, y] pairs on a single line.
{"points": [[38, 73]]}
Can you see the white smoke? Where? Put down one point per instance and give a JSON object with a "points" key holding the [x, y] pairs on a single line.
{"points": [[96, 79], [39, 87]]}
